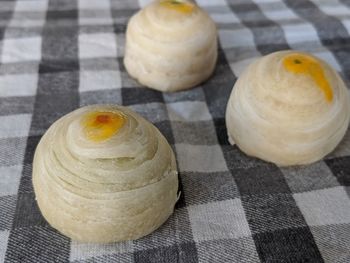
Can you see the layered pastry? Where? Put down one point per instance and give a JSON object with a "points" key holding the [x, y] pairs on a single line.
{"points": [[289, 108], [171, 45], [103, 173]]}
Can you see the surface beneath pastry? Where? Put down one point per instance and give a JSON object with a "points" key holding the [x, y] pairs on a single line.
{"points": [[303, 64], [100, 126], [177, 5]]}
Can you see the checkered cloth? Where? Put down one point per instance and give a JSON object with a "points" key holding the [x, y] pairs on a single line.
{"points": [[57, 55]]}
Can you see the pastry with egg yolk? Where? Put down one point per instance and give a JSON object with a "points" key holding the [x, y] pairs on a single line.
{"points": [[103, 173], [288, 108], [171, 45]]}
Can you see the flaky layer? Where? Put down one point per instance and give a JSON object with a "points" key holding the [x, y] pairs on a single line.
{"points": [[170, 46], [286, 113], [106, 189]]}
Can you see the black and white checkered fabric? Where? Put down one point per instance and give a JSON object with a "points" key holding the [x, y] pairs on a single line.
{"points": [[57, 55]]}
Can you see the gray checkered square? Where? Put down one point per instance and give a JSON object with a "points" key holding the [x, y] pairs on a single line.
{"points": [[57, 55], [7, 211], [333, 242], [12, 151], [107, 96], [173, 232], [80, 252], [272, 212], [218, 220], [309, 177], [222, 251], [197, 133], [10, 176], [202, 188]]}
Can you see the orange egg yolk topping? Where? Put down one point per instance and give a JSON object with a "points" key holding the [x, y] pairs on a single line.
{"points": [[100, 126], [178, 5], [303, 64]]}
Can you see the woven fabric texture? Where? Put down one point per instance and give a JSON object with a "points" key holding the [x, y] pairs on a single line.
{"points": [[58, 55]]}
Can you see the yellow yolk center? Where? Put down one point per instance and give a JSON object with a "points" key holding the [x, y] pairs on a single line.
{"points": [[178, 5], [100, 126], [303, 64]]}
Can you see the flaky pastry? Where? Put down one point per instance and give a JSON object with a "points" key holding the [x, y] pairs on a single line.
{"points": [[171, 45], [103, 173], [289, 108]]}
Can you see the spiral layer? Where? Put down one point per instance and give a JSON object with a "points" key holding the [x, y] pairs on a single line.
{"points": [[103, 173], [171, 45], [288, 108]]}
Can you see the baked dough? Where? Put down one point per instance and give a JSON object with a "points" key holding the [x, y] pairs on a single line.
{"points": [[102, 173], [288, 108], [171, 45]]}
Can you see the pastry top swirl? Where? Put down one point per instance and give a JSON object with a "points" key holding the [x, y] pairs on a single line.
{"points": [[98, 150], [103, 173], [288, 107], [307, 65], [178, 5], [302, 95], [173, 21], [171, 45]]}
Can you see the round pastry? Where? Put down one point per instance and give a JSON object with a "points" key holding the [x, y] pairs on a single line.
{"points": [[102, 173], [288, 108], [171, 45]]}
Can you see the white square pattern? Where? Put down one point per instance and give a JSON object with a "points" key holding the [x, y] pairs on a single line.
{"points": [[31, 6], [188, 111], [18, 85], [228, 18], [21, 49], [143, 3], [9, 180], [102, 6], [20, 21], [153, 112], [36, 8], [99, 80], [97, 45], [280, 12], [4, 235], [346, 23], [205, 3], [300, 33], [81, 251], [324, 207], [94, 4], [236, 38], [333, 8], [86, 21], [218, 220], [15, 125], [200, 158]]}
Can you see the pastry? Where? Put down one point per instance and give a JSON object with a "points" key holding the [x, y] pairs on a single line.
{"points": [[102, 173], [289, 108], [171, 45]]}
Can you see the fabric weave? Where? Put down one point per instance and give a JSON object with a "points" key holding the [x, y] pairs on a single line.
{"points": [[58, 55]]}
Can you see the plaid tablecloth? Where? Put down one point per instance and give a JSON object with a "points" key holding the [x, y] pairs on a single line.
{"points": [[57, 55]]}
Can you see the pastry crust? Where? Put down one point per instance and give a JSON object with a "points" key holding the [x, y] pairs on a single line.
{"points": [[171, 45], [289, 108], [119, 185]]}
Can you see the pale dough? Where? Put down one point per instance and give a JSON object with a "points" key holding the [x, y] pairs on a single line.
{"points": [[103, 173], [171, 45], [287, 111]]}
